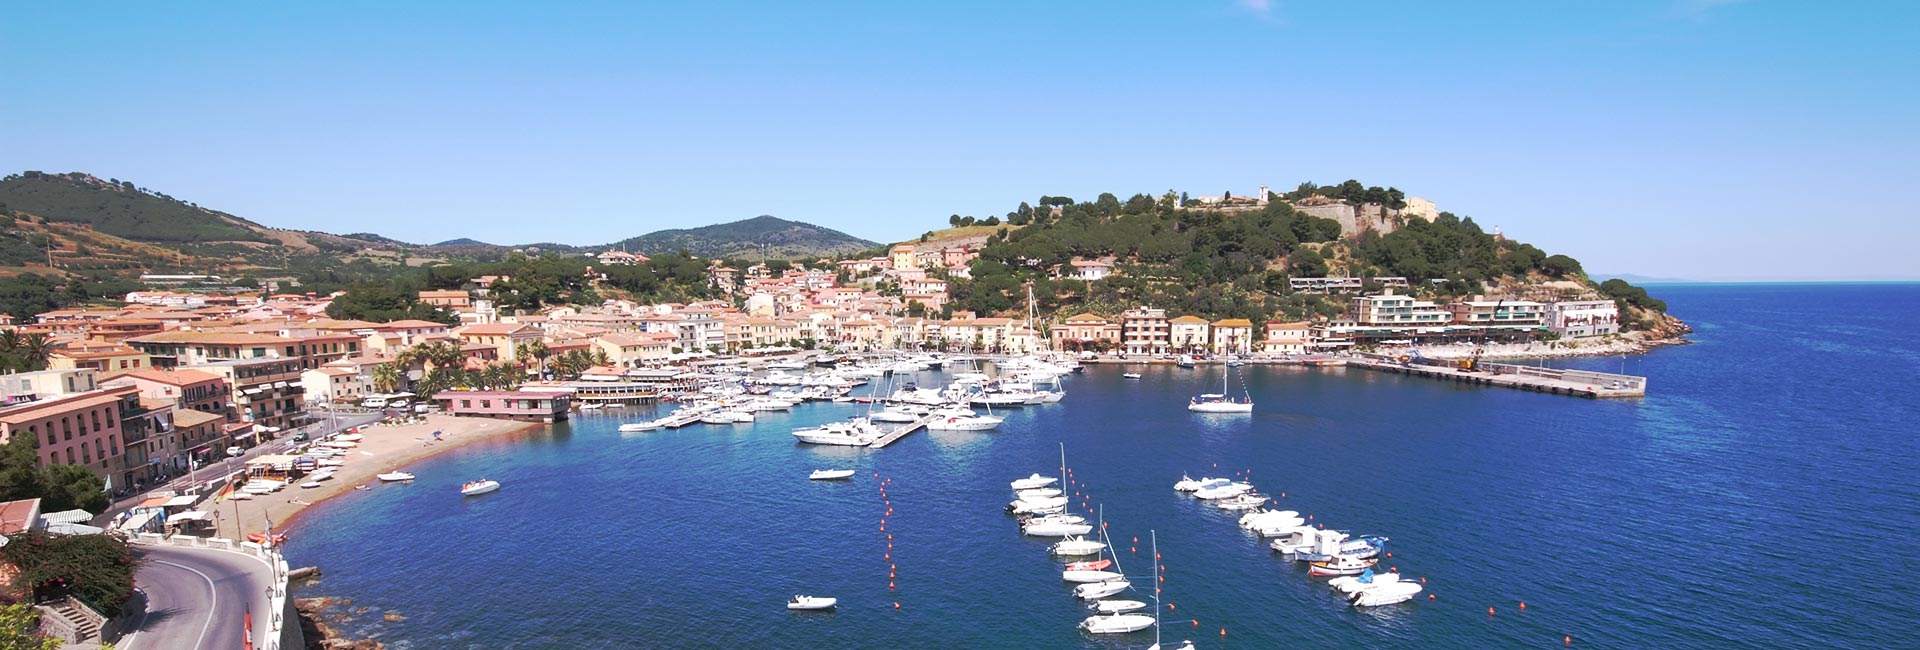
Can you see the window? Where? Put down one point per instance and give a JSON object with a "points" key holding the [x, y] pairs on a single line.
{"points": [[66, 430], [465, 404], [69, 455]]}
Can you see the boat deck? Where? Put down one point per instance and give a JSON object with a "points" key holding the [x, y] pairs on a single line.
{"points": [[896, 434]]}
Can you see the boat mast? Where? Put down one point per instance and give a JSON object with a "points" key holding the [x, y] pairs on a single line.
{"points": [[1154, 536]]}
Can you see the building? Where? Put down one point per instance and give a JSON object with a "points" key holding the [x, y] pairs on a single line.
{"points": [[1285, 338], [28, 386], [185, 348], [902, 257], [505, 338], [1481, 312], [1143, 330], [511, 405], [267, 392], [198, 438], [1189, 334], [187, 390], [1090, 270], [1233, 336], [1085, 332], [108, 360], [328, 384], [1390, 310], [451, 300], [81, 428], [1342, 285], [1578, 318], [621, 257]]}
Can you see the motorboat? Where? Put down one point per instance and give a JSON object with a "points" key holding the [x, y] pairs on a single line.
{"points": [[309, 485], [1184, 645], [1088, 575], [1222, 489], [1259, 518], [481, 486], [1034, 505], [1089, 565], [1184, 361], [1366, 580], [830, 474], [811, 603], [718, 417], [894, 414], [1363, 548], [1117, 606], [961, 419], [1098, 590], [1339, 565], [1046, 528], [1276, 527], [592, 406], [1240, 502], [1306, 540], [1038, 493], [1386, 593], [634, 427], [395, 476], [1058, 517], [1116, 623], [1074, 546], [1186, 484], [1035, 481], [1129, 375], [857, 432]]}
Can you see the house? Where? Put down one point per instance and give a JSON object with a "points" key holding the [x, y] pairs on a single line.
{"points": [[1090, 270], [504, 338], [902, 257], [1388, 309], [193, 347], [1084, 332], [1189, 334], [1284, 338], [451, 300], [333, 384], [80, 428], [266, 391], [1233, 336], [621, 258], [1143, 330], [108, 360], [1578, 318], [1480, 312], [510, 405], [187, 390]]}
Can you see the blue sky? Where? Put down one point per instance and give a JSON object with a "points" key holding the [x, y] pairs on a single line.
{"points": [[1704, 139]]}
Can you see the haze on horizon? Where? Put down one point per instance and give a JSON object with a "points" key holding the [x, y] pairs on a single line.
{"points": [[1698, 139]]}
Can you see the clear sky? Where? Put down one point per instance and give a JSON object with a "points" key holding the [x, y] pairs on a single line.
{"points": [[1702, 139]]}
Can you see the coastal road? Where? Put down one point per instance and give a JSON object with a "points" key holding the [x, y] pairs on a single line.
{"points": [[197, 599]]}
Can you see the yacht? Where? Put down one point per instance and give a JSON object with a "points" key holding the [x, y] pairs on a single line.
{"points": [[1385, 593], [481, 486], [1222, 489], [1044, 527], [1116, 623], [812, 603], [961, 419], [1098, 590], [1219, 402], [1035, 481], [395, 476], [852, 432]]}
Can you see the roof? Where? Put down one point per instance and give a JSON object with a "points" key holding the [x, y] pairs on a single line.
{"points": [[1233, 322], [494, 329], [1189, 319], [1086, 318], [193, 418], [173, 377], [409, 324], [65, 403], [18, 516], [215, 338]]}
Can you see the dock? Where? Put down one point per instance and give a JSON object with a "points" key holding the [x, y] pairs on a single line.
{"points": [[1577, 383], [901, 432]]}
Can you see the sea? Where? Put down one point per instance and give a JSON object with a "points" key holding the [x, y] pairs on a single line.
{"points": [[1764, 494]]}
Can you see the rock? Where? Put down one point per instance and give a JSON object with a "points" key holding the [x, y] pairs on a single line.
{"points": [[394, 617], [304, 573]]}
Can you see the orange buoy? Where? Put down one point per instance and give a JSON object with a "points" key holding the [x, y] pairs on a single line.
{"points": [[1489, 611], [1389, 553], [1429, 596], [1567, 639], [896, 604], [1196, 623], [1523, 605], [1223, 631], [892, 567], [1170, 607], [1136, 540], [1423, 580], [1133, 549], [886, 556], [889, 585]]}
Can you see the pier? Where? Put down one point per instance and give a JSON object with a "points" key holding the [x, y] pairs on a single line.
{"points": [[901, 432], [1578, 383]]}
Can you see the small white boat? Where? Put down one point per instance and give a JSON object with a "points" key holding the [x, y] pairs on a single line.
{"points": [[812, 603], [1186, 484], [1366, 580], [592, 406], [632, 427], [481, 486], [1044, 528], [830, 474], [1222, 490], [1036, 505], [1035, 481], [1116, 623], [395, 476], [1088, 575], [1385, 594], [1184, 645], [1129, 375], [1216, 403], [1098, 590], [1240, 502], [1339, 565], [309, 485], [1117, 606], [1073, 546], [1184, 361], [1038, 493]]}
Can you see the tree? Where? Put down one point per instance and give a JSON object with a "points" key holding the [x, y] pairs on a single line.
{"points": [[1560, 266], [35, 350], [72, 486], [954, 221], [97, 569], [386, 378], [20, 476], [20, 629], [1307, 263]]}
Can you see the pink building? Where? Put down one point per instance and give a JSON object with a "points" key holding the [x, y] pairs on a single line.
{"points": [[510, 405]]}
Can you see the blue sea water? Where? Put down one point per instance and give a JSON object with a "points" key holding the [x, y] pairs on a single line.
{"points": [[1765, 494]]}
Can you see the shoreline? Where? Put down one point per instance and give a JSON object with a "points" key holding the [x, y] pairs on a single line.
{"points": [[384, 449]]}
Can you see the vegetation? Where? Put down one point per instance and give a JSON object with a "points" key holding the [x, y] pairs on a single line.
{"points": [[20, 629], [119, 208], [780, 237], [59, 487], [97, 569], [383, 302], [24, 353]]}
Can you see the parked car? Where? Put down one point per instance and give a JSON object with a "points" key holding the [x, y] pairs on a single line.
{"points": [[300, 437], [235, 451]]}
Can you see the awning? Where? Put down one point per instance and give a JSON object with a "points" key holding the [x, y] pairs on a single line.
{"points": [[67, 517], [182, 501], [243, 435], [139, 522], [74, 529], [191, 515]]}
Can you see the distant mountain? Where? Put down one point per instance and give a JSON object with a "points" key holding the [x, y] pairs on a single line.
{"points": [[463, 241], [782, 239], [121, 209], [1635, 278]]}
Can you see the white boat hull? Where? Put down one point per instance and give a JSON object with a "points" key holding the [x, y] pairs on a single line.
{"points": [[1098, 590], [1386, 594], [1055, 530], [1083, 575], [1078, 547], [809, 603], [1220, 407], [1035, 481], [482, 487], [1116, 623], [1118, 606], [830, 474]]}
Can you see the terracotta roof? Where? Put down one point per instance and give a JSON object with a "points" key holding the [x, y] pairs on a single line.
{"points": [[213, 338], [193, 418], [1233, 322], [173, 377], [1189, 319]]}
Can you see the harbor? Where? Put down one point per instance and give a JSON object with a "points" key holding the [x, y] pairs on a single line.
{"points": [[1577, 383]]}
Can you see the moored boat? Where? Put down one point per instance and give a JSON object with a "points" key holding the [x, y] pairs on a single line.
{"points": [[481, 486], [1098, 590], [1117, 606], [395, 476], [1088, 575], [811, 603], [1035, 481], [1116, 623], [1386, 593], [830, 474], [1339, 565]]}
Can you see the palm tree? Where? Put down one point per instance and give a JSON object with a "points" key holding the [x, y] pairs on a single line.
{"points": [[386, 378], [10, 345], [540, 354], [35, 351]]}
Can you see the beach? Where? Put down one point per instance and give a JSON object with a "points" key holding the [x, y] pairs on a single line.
{"points": [[384, 449]]}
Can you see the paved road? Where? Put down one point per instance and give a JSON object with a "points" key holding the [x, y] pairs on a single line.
{"points": [[198, 598], [281, 445]]}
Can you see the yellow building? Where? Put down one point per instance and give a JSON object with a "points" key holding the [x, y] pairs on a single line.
{"points": [[1188, 334]]}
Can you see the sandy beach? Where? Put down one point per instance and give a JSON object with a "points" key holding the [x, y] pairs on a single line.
{"points": [[385, 449]]}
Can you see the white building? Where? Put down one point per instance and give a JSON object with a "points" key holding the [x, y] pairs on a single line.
{"points": [[1577, 318]]}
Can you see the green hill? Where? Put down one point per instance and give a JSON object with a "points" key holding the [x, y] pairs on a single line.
{"points": [[782, 239], [121, 209]]}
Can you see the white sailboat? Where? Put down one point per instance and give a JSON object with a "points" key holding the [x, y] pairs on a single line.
{"points": [[1219, 402]]}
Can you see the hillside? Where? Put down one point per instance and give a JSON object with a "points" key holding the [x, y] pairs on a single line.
{"points": [[121, 209], [782, 239]]}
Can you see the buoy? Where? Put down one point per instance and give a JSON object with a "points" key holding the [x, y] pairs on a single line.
{"points": [[1170, 607], [1223, 631], [1423, 580], [1429, 596], [1489, 611], [1136, 540], [1196, 623], [1567, 639], [889, 585], [893, 567], [886, 556], [1523, 605], [896, 604], [1133, 549], [1389, 553]]}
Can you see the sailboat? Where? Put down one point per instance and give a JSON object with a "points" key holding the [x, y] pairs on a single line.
{"points": [[1128, 621], [1219, 402]]}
